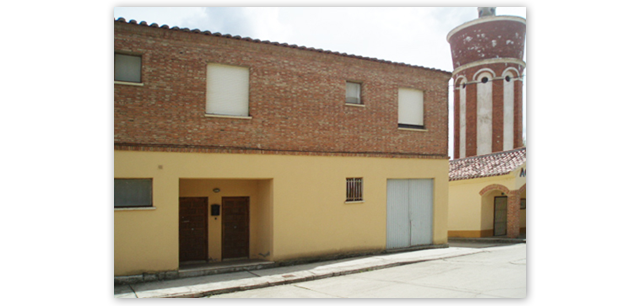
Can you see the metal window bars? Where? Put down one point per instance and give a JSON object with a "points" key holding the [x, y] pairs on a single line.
{"points": [[354, 189]]}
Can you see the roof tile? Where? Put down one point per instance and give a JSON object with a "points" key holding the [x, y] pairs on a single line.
{"points": [[494, 164], [154, 25]]}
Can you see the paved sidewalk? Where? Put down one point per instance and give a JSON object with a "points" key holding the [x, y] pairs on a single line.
{"points": [[225, 283]]}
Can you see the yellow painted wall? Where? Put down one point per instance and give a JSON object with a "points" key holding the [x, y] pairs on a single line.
{"points": [[470, 214], [305, 195]]}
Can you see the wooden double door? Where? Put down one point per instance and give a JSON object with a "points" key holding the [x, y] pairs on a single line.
{"points": [[193, 228]]}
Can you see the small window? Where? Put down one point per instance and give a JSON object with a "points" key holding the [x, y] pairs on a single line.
{"points": [[132, 193], [354, 189], [127, 68], [522, 203], [353, 93]]}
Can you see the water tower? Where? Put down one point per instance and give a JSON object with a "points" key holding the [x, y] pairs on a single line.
{"points": [[488, 63]]}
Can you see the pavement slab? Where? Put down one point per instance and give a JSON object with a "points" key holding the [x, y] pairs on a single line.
{"points": [[247, 280]]}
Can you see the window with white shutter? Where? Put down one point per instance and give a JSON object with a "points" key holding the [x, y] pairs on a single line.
{"points": [[228, 90], [411, 108], [353, 93]]}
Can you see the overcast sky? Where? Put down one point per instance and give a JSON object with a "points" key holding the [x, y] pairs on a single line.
{"points": [[411, 35]]}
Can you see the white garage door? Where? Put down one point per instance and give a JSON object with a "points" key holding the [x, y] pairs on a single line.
{"points": [[409, 213]]}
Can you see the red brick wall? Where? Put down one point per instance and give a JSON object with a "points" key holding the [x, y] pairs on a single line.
{"points": [[518, 139], [297, 97], [471, 118]]}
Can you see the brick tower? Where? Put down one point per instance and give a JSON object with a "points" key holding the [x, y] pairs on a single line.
{"points": [[488, 67]]}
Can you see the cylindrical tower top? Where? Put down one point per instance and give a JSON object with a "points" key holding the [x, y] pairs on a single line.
{"points": [[486, 11], [488, 37]]}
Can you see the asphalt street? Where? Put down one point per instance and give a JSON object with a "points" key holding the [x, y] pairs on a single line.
{"points": [[499, 271]]}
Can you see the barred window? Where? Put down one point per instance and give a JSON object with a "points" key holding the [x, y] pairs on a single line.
{"points": [[354, 189]]}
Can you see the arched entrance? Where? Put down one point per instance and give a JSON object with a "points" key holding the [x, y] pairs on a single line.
{"points": [[504, 207]]}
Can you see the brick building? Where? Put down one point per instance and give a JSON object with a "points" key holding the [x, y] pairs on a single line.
{"points": [[228, 148]]}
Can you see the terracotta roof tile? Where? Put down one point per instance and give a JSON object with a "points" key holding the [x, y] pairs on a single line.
{"points": [[197, 31], [493, 164]]}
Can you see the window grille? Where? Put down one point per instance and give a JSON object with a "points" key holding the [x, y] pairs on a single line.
{"points": [[354, 189]]}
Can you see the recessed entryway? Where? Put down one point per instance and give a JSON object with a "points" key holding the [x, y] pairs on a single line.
{"points": [[251, 212]]}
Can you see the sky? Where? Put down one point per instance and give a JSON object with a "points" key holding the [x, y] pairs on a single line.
{"points": [[410, 35]]}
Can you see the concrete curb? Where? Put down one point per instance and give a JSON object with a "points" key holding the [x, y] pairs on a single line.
{"points": [[173, 275], [488, 240]]}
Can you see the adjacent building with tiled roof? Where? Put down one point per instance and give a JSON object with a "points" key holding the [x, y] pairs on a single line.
{"points": [[483, 191], [487, 195]]}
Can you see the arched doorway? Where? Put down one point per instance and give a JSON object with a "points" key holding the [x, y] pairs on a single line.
{"points": [[501, 211], [494, 210]]}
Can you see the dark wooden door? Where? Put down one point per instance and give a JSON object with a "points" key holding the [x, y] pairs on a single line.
{"points": [[501, 216], [192, 229], [236, 227]]}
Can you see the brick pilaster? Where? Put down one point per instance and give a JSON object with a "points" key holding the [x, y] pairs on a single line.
{"points": [[513, 214]]}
